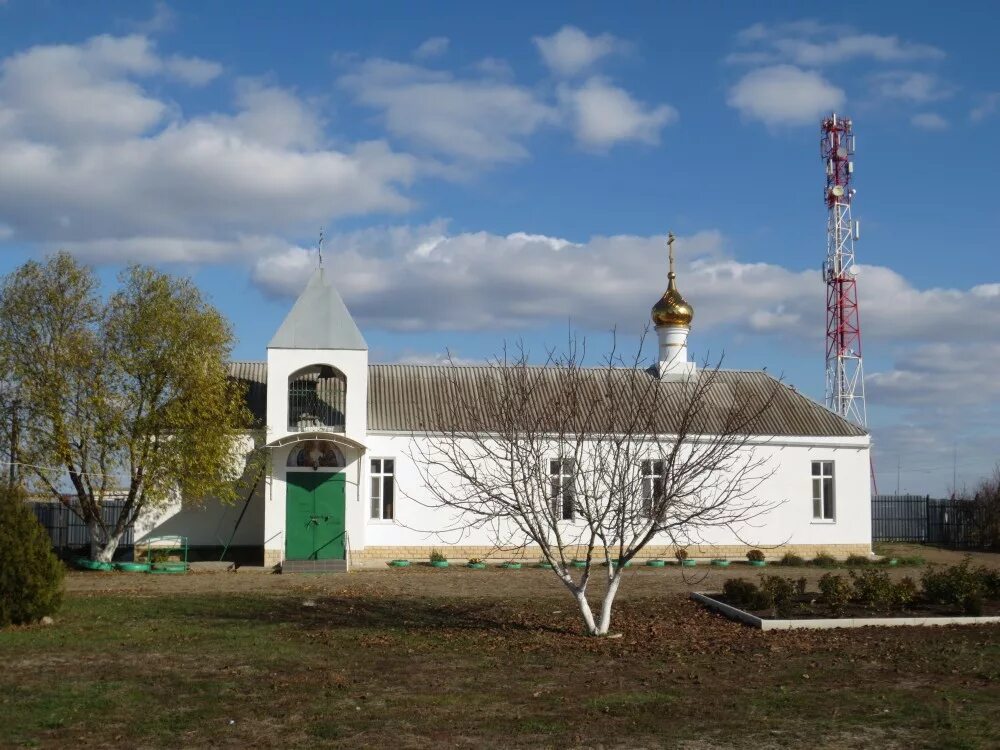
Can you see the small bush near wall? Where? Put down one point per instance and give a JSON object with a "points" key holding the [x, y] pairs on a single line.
{"points": [[824, 560], [791, 559], [30, 575]]}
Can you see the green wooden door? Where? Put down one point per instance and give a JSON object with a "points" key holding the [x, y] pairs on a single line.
{"points": [[314, 516]]}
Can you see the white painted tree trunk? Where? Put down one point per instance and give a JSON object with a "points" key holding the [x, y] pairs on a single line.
{"points": [[598, 627], [108, 551], [585, 612], [98, 552]]}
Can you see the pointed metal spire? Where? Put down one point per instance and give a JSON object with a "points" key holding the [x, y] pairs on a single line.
{"points": [[670, 249]]}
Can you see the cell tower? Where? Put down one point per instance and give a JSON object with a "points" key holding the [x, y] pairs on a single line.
{"points": [[845, 383]]}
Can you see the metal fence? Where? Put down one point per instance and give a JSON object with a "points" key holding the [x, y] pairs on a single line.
{"points": [[66, 529], [926, 520]]}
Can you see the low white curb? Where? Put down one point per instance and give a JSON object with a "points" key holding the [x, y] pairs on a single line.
{"points": [[825, 624]]}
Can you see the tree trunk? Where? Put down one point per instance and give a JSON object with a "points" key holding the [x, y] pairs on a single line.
{"points": [[585, 612], [108, 551], [102, 549], [609, 600]]}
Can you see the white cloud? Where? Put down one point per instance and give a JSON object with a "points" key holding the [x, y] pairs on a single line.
{"points": [[603, 114], [784, 95], [571, 51], [163, 19], [433, 47], [929, 121], [473, 119], [811, 43], [395, 278], [988, 104], [911, 86], [90, 159], [192, 70]]}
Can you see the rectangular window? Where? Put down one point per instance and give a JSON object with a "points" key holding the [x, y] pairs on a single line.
{"points": [[561, 483], [383, 488], [652, 485], [824, 496]]}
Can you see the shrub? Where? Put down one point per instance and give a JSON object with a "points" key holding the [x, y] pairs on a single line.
{"points": [[834, 592], [875, 589], [436, 556], [824, 560], [742, 593], [474, 561], [957, 586], [681, 555], [857, 561], [777, 592], [800, 585], [755, 555], [30, 575], [792, 559], [990, 580], [912, 560]]}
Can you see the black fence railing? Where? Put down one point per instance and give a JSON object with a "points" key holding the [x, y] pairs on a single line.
{"points": [[66, 529], [962, 524]]}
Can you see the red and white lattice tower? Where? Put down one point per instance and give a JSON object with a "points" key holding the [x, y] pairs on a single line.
{"points": [[845, 383]]}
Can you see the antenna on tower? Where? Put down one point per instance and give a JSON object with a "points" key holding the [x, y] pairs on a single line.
{"points": [[319, 248], [845, 384]]}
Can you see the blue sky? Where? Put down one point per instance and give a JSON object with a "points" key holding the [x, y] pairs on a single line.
{"points": [[485, 176]]}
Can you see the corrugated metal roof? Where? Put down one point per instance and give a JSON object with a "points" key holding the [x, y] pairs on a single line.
{"points": [[410, 398]]}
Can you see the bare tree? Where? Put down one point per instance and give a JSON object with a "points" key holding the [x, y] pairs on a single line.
{"points": [[592, 464]]}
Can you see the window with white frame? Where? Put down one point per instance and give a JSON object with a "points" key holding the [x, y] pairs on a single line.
{"points": [[383, 488], [652, 485], [824, 495], [561, 484]]}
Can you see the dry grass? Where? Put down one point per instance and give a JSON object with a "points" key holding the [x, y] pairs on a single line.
{"points": [[421, 657]]}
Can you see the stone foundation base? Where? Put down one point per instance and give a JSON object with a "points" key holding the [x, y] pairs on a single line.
{"points": [[377, 556], [272, 557]]}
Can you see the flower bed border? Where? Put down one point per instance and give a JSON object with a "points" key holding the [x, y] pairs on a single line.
{"points": [[734, 613]]}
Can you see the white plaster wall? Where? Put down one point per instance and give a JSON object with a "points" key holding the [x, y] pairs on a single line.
{"points": [[419, 522], [283, 362], [209, 523]]}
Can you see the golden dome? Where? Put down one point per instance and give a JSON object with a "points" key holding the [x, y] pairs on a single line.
{"points": [[672, 309]]}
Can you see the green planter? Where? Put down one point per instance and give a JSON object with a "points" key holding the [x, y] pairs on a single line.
{"points": [[616, 564], [579, 563], [688, 563], [758, 563], [439, 563], [656, 563], [398, 563], [545, 565], [169, 567], [84, 563], [511, 565], [720, 563], [476, 566], [133, 567], [893, 562]]}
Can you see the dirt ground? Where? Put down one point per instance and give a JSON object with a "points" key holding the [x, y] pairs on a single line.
{"points": [[427, 658], [461, 582]]}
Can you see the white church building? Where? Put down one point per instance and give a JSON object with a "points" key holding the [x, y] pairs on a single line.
{"points": [[341, 487]]}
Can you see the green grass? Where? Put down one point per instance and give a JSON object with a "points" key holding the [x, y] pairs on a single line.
{"points": [[380, 669]]}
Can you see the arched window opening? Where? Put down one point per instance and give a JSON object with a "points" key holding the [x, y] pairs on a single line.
{"points": [[316, 399], [316, 454]]}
